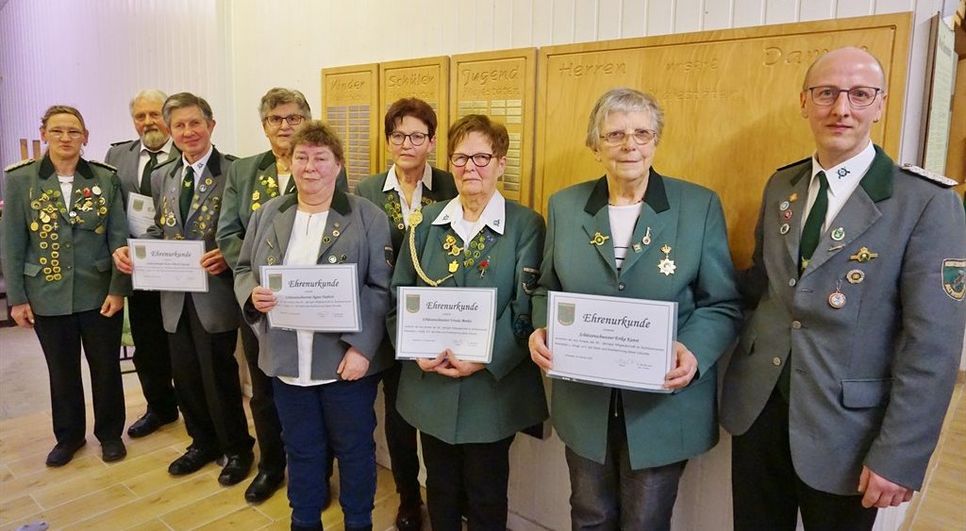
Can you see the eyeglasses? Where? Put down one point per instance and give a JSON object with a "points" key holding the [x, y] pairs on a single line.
{"points": [[480, 160], [617, 138], [859, 97], [74, 134], [292, 119], [417, 138]]}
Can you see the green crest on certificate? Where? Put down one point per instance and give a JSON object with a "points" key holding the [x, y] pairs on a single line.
{"points": [[140, 251], [954, 278], [412, 302], [275, 281], [138, 204], [566, 312]]}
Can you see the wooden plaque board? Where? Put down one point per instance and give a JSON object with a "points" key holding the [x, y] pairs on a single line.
{"points": [[730, 99], [426, 79], [350, 99], [501, 85]]}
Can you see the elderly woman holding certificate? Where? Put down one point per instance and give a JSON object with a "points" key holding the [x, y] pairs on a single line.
{"points": [[637, 234], [467, 412], [325, 382]]}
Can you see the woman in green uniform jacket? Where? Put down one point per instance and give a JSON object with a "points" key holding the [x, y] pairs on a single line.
{"points": [[468, 412], [635, 233], [62, 219]]}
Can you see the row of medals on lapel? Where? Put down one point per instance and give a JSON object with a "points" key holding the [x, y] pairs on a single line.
{"points": [[269, 185], [326, 239], [665, 266], [394, 208], [202, 221], [46, 224], [836, 299]]}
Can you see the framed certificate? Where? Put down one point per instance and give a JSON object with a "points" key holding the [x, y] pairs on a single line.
{"points": [[431, 320], [168, 265], [611, 341], [140, 213], [319, 298]]}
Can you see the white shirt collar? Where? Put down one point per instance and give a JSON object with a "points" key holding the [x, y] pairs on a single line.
{"points": [[844, 177], [199, 165], [392, 182], [166, 149], [493, 216]]}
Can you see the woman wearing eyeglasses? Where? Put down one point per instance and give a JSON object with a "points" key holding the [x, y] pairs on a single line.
{"points": [[467, 413], [409, 185], [62, 219], [635, 233]]}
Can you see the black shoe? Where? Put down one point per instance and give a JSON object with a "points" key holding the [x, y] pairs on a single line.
{"points": [[148, 424], [64, 452], [236, 469], [263, 486], [409, 517], [113, 451], [192, 461], [296, 527]]}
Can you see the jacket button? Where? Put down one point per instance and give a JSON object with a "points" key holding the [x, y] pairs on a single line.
{"points": [[620, 286], [796, 325], [792, 282], [776, 361]]}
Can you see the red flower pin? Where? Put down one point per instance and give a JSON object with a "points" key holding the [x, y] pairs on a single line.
{"points": [[484, 265], [87, 192]]}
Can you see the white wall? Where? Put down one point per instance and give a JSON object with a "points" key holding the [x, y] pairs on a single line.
{"points": [[95, 54]]}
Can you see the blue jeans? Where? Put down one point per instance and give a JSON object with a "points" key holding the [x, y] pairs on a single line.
{"points": [[339, 416]]}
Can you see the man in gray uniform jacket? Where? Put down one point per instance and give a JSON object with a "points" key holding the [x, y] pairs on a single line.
{"points": [[841, 379]]}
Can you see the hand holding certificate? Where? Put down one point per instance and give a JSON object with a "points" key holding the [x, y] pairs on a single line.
{"points": [[320, 298], [431, 320], [168, 265], [612, 341]]}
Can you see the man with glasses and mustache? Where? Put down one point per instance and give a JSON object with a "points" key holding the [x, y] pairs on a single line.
{"points": [[840, 382], [251, 182], [135, 160]]}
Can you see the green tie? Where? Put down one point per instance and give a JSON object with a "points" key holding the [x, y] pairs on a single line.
{"points": [[187, 192], [813, 224], [145, 187]]}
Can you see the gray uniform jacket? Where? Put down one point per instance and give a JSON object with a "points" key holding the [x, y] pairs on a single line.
{"points": [[216, 308], [126, 157], [356, 232], [870, 381]]}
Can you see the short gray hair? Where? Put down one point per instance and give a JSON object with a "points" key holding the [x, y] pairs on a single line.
{"points": [[280, 96], [182, 100], [147, 94], [622, 100]]}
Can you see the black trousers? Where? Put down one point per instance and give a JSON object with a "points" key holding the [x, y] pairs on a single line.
{"points": [[151, 358], [61, 338], [768, 492], [401, 439], [268, 429], [206, 384], [471, 476]]}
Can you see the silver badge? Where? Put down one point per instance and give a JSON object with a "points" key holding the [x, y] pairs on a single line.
{"points": [[784, 228], [838, 234]]}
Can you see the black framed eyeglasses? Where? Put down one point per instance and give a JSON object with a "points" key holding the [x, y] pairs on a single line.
{"points": [[292, 119], [480, 160], [859, 97], [617, 138], [398, 137]]}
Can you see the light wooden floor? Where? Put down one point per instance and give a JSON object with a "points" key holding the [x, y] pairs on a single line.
{"points": [[137, 493]]}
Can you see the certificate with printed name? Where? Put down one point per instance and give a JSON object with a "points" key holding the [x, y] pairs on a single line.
{"points": [[319, 298], [140, 213], [168, 265], [612, 341], [431, 320]]}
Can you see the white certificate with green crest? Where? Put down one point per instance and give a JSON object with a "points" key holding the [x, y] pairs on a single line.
{"points": [[168, 265], [318, 298], [140, 213], [611, 341], [431, 320]]}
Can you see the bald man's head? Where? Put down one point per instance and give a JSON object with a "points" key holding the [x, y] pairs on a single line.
{"points": [[849, 54]]}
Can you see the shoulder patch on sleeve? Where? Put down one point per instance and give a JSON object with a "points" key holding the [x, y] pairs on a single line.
{"points": [[796, 163], [16, 165], [954, 278], [103, 165], [928, 175]]}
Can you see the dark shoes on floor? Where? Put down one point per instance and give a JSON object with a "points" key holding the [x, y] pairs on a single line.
{"points": [[236, 469], [192, 461], [64, 452], [263, 486], [148, 424], [410, 516], [113, 451]]}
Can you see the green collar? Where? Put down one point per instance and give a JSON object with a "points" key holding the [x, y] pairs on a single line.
{"points": [[47, 168], [655, 195], [267, 159]]}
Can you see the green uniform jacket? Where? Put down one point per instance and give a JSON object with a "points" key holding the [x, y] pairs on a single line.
{"points": [[371, 188], [252, 181], [661, 428], [57, 254], [507, 396]]}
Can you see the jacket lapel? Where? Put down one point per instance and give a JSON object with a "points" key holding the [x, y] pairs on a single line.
{"points": [[282, 227], [336, 224], [210, 180], [50, 185], [173, 191], [597, 226], [651, 224], [798, 185]]}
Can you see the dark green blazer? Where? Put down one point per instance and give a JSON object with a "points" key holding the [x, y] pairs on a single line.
{"points": [[251, 182], [661, 428], [57, 254], [507, 396]]}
